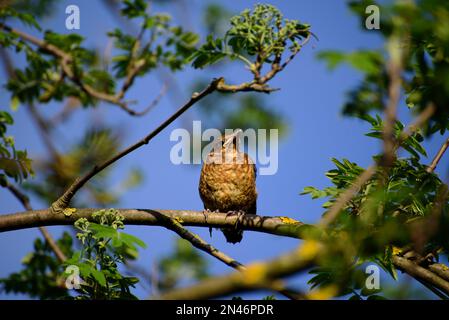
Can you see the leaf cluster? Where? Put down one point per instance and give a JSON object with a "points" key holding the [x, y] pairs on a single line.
{"points": [[13, 163], [104, 248]]}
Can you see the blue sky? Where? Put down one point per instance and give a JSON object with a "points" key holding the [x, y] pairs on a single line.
{"points": [[310, 98]]}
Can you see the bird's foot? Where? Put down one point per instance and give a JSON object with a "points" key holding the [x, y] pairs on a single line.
{"points": [[205, 213], [239, 214]]}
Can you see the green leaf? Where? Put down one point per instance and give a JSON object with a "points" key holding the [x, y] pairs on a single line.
{"points": [[99, 277], [332, 58], [103, 231], [131, 240]]}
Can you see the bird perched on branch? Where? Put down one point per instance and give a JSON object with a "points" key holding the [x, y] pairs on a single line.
{"points": [[228, 182]]}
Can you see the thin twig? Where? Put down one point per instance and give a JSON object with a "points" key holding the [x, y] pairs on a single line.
{"points": [[44, 130], [439, 155], [155, 102]]}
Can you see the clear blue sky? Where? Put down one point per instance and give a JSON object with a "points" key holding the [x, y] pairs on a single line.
{"points": [[311, 99]]}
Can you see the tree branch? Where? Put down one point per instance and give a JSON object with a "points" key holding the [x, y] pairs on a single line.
{"points": [[280, 226], [439, 155], [274, 225], [394, 70], [421, 273]]}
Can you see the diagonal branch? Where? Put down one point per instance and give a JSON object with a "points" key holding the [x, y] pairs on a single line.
{"points": [[63, 201], [438, 156], [421, 273]]}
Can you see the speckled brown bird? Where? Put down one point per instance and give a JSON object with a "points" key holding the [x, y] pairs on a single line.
{"points": [[228, 182]]}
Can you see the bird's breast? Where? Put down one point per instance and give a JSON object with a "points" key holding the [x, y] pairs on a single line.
{"points": [[227, 187]]}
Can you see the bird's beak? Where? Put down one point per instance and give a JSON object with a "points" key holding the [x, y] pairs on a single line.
{"points": [[230, 138]]}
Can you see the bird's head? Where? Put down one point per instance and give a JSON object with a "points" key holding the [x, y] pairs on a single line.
{"points": [[230, 142], [226, 148]]}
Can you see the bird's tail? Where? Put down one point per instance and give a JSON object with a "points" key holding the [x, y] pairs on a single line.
{"points": [[233, 235]]}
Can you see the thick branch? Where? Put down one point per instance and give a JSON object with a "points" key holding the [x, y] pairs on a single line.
{"points": [[272, 225]]}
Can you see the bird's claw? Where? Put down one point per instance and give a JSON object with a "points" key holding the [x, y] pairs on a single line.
{"points": [[239, 214], [205, 212]]}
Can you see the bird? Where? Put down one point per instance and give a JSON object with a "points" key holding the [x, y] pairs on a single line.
{"points": [[228, 182]]}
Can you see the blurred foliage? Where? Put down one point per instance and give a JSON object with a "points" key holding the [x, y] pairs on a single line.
{"points": [[422, 26], [167, 45], [94, 147], [244, 112], [406, 290], [100, 256], [42, 78], [390, 214], [216, 18], [13, 163], [41, 276], [38, 8], [183, 264]]}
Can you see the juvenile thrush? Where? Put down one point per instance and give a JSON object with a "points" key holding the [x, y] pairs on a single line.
{"points": [[228, 182]]}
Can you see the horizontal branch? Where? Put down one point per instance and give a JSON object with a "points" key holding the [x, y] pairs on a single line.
{"points": [[274, 225]]}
